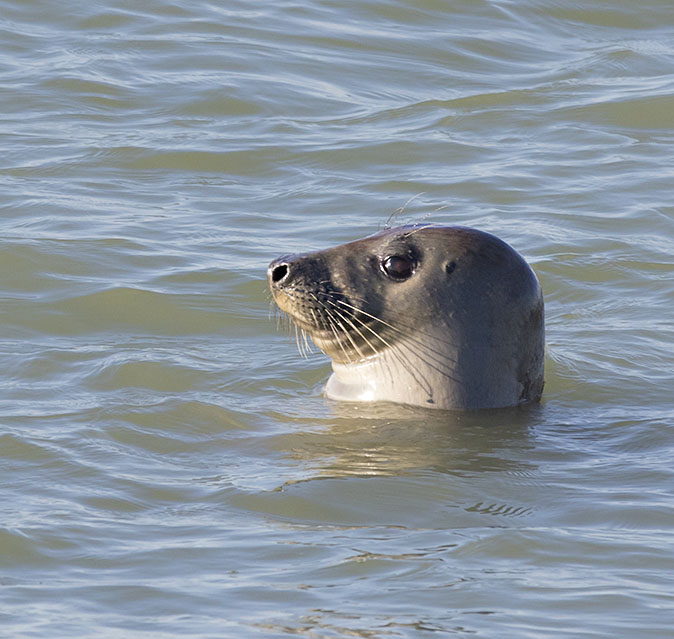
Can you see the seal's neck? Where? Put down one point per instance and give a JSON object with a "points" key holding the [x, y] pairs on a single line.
{"points": [[361, 382], [458, 380], [392, 377]]}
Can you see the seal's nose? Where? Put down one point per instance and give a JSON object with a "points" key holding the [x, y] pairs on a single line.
{"points": [[278, 271]]}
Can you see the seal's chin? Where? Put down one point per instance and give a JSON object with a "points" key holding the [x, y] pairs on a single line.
{"points": [[338, 349], [341, 337], [298, 311], [338, 343]]}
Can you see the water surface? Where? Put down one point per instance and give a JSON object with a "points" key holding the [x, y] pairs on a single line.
{"points": [[169, 465]]}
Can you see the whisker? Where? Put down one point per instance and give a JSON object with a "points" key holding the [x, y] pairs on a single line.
{"points": [[438, 360], [298, 342], [407, 363], [334, 325], [401, 209], [413, 330], [355, 328], [347, 321]]}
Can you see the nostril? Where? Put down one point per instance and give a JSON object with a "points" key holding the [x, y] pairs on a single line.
{"points": [[279, 272]]}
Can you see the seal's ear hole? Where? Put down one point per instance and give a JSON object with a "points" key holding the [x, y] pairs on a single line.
{"points": [[450, 267], [398, 267]]}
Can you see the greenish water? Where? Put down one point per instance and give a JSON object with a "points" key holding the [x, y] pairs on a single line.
{"points": [[169, 466]]}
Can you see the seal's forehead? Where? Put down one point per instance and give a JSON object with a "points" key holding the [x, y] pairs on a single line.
{"points": [[444, 241]]}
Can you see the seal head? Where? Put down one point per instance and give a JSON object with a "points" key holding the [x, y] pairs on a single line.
{"points": [[441, 317]]}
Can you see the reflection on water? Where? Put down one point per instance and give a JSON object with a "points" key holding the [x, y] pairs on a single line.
{"points": [[382, 443]]}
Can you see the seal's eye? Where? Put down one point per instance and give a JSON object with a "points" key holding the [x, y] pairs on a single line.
{"points": [[398, 267]]}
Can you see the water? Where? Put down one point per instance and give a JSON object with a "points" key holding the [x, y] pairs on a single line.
{"points": [[169, 466]]}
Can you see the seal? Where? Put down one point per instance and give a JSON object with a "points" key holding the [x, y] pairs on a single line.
{"points": [[444, 317]]}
